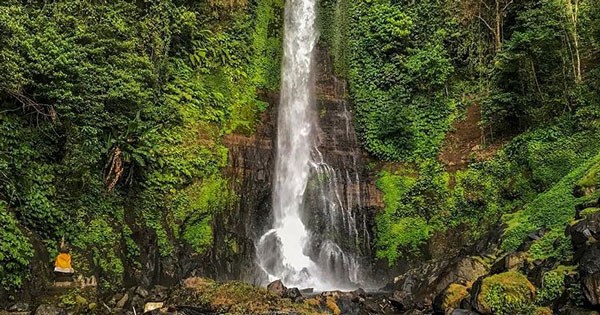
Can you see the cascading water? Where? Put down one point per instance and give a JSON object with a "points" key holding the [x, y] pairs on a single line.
{"points": [[283, 247], [290, 251]]}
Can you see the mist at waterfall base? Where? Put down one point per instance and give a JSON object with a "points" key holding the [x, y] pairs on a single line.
{"points": [[290, 251]]}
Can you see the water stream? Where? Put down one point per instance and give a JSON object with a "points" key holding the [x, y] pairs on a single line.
{"points": [[299, 255]]}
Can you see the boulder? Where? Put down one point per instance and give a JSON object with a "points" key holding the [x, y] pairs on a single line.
{"points": [[542, 311], [589, 269], [19, 307], [141, 292], [530, 239], [584, 230], [504, 293], [450, 298], [293, 293], [307, 290], [510, 261], [537, 270], [402, 300], [277, 287], [459, 311], [359, 293], [576, 310], [424, 283], [46, 309]]}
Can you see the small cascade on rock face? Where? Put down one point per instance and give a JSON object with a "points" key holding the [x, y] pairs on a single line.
{"points": [[315, 237]]}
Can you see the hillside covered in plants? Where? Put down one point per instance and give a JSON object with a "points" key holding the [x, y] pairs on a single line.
{"points": [[142, 134]]}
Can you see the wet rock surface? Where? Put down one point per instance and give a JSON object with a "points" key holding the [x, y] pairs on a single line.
{"points": [[281, 290], [45, 309]]}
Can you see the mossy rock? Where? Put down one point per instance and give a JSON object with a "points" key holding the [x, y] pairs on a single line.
{"points": [[543, 311], [236, 297], [505, 293], [451, 297], [588, 211], [591, 178]]}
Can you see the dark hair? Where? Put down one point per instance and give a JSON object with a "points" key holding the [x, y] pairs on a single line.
{"points": [[64, 250]]}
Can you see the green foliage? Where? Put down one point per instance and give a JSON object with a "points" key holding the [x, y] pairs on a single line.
{"points": [[194, 207], [507, 293], [591, 178], [414, 209], [553, 285], [15, 251], [396, 74], [552, 209], [536, 74], [112, 115]]}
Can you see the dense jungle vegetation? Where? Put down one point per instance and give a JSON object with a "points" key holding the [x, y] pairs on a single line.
{"points": [[414, 67], [112, 112], [112, 115]]}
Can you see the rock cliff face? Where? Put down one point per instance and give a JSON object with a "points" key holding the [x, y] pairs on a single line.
{"points": [[341, 197]]}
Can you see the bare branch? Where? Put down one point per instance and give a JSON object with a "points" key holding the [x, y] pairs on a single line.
{"points": [[486, 24], [507, 5], [29, 104], [485, 4]]}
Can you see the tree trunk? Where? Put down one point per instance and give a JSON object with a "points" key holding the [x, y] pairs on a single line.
{"points": [[572, 14], [498, 32]]}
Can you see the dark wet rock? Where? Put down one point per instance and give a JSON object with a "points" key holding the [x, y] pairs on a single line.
{"points": [[576, 310], [360, 292], [535, 272], [19, 307], [307, 290], [402, 300], [193, 310], [371, 306], [589, 269], [281, 290], [466, 303], [277, 287], [514, 260], [584, 230], [293, 293], [459, 311], [159, 293], [488, 243], [530, 239], [585, 205], [420, 285], [140, 291], [46, 309]]}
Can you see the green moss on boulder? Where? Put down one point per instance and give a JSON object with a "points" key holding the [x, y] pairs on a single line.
{"points": [[506, 293], [452, 296]]}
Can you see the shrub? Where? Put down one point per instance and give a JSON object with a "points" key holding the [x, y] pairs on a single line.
{"points": [[15, 251], [506, 293]]}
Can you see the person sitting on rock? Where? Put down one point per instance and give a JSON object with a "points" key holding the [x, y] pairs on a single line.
{"points": [[62, 264]]}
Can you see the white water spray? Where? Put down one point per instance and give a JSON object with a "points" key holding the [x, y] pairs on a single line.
{"points": [[295, 139], [290, 251]]}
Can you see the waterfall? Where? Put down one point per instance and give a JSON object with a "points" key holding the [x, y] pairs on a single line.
{"points": [[291, 251], [281, 250]]}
